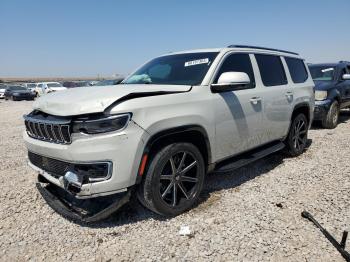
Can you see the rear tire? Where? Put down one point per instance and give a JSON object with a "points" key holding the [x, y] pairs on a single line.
{"points": [[297, 136], [174, 179], [332, 117]]}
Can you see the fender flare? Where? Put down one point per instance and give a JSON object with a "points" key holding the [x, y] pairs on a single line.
{"points": [[334, 94], [175, 131]]}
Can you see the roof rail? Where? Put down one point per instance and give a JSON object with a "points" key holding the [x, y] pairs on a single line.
{"points": [[263, 48], [344, 62]]}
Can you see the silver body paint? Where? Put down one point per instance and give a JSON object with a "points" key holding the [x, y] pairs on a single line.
{"points": [[232, 122]]}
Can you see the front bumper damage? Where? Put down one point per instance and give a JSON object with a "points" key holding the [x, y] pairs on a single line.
{"points": [[321, 109], [81, 210]]}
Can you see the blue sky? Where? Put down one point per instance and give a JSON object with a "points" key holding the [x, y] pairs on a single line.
{"points": [[91, 37]]}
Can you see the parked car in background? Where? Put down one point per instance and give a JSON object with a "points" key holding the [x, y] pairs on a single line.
{"points": [[109, 82], [2, 91], [332, 91], [172, 121], [30, 86], [16, 93], [48, 87], [73, 84]]}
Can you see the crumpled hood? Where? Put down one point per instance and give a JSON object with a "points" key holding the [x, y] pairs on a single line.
{"points": [[323, 85], [86, 100]]}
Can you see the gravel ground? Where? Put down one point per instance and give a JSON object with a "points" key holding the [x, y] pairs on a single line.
{"points": [[251, 215]]}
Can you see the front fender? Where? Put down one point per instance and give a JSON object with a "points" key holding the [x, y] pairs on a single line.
{"points": [[334, 94]]}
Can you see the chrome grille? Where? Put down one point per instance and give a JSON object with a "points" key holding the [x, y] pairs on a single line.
{"points": [[46, 130]]}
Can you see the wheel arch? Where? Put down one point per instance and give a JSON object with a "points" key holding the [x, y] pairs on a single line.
{"points": [[334, 94], [194, 134], [302, 108]]}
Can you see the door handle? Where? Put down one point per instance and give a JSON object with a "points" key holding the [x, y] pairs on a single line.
{"points": [[289, 94], [255, 100]]}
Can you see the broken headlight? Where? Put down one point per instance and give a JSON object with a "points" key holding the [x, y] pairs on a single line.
{"points": [[104, 124]]}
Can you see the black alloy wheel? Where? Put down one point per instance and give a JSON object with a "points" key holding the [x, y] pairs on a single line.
{"points": [[297, 137], [330, 121], [174, 179], [178, 178]]}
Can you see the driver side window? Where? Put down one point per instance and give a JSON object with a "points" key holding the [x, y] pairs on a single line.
{"points": [[237, 63], [348, 69]]}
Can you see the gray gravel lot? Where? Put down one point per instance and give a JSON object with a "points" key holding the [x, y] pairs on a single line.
{"points": [[238, 218]]}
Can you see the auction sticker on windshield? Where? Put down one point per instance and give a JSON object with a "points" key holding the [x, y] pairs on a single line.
{"points": [[197, 62]]}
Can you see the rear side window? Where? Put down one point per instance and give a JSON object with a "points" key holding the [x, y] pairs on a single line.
{"points": [[271, 70], [297, 69], [237, 63]]}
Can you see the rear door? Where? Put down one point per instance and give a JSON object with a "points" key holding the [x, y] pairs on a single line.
{"points": [[277, 97], [238, 114]]}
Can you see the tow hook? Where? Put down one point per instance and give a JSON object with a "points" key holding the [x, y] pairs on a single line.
{"points": [[73, 182]]}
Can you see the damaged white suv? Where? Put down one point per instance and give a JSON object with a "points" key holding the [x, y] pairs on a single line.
{"points": [[158, 133]]}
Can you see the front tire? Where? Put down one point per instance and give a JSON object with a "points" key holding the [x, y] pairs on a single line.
{"points": [[330, 121], [297, 136], [174, 179]]}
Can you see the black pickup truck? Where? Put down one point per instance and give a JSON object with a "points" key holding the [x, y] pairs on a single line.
{"points": [[332, 91]]}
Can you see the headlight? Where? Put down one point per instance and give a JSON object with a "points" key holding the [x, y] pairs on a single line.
{"points": [[320, 95], [101, 125]]}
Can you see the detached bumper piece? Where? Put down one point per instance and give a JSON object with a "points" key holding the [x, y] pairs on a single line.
{"points": [[340, 246], [82, 210]]}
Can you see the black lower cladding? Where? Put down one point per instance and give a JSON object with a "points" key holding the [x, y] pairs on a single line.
{"points": [[82, 210], [58, 168]]}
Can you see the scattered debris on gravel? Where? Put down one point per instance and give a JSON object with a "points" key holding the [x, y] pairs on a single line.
{"points": [[252, 214]]}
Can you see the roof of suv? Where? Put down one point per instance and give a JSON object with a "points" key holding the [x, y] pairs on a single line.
{"points": [[324, 64], [240, 48]]}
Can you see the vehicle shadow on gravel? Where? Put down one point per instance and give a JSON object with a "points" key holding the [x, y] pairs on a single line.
{"points": [[134, 212], [216, 181], [344, 116]]}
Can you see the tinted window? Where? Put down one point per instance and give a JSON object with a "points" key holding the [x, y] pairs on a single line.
{"points": [[17, 88], [297, 69], [237, 63], [54, 85], [180, 69], [271, 70]]}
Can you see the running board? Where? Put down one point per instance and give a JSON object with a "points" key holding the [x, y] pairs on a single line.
{"points": [[248, 157]]}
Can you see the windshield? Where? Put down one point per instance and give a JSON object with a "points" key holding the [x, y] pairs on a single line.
{"points": [[31, 85], [182, 69], [322, 73], [17, 88], [54, 85]]}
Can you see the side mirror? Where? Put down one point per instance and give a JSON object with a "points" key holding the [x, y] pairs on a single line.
{"points": [[346, 77], [231, 81]]}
